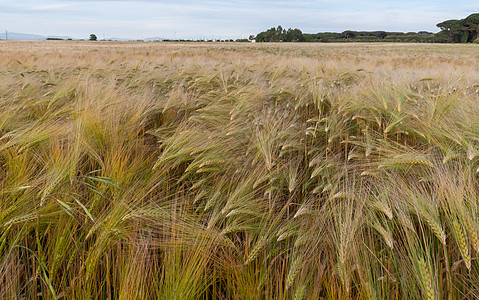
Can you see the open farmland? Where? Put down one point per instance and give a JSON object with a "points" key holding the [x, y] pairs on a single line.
{"points": [[238, 171]]}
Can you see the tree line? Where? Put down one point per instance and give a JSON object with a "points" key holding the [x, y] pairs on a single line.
{"points": [[452, 31]]}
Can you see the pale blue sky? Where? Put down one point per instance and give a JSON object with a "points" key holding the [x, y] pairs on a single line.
{"points": [[222, 19]]}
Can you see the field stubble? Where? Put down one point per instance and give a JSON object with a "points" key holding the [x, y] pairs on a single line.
{"points": [[238, 171]]}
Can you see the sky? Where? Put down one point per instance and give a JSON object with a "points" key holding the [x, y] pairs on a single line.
{"points": [[213, 19]]}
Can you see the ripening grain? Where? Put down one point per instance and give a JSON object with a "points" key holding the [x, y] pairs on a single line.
{"points": [[238, 171]]}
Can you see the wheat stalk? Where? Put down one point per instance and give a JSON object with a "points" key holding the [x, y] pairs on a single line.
{"points": [[299, 295], [473, 234], [293, 271], [388, 239], [462, 243], [434, 225], [427, 280], [383, 207], [256, 249]]}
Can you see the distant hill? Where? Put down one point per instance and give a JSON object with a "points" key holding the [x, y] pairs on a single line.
{"points": [[30, 37], [22, 36], [36, 37]]}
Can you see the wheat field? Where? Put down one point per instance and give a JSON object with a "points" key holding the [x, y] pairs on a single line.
{"points": [[238, 171]]}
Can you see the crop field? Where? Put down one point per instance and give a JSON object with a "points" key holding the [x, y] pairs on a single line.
{"points": [[238, 171]]}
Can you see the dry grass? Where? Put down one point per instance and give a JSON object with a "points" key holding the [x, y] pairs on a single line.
{"points": [[238, 171]]}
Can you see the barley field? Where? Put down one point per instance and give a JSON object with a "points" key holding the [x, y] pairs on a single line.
{"points": [[238, 171]]}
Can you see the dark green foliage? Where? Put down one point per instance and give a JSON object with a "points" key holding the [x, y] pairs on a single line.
{"points": [[280, 35], [460, 31], [295, 35], [452, 31]]}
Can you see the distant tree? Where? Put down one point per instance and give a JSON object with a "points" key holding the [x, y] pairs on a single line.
{"points": [[308, 37], [294, 35], [449, 25], [93, 37], [260, 37], [381, 34], [460, 31], [280, 34], [471, 27], [452, 30], [348, 34], [270, 35]]}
